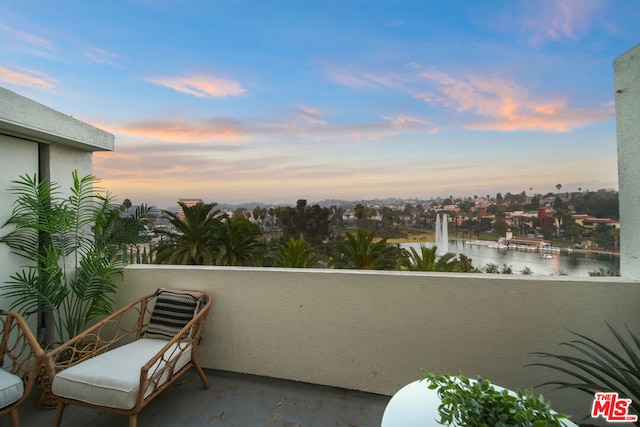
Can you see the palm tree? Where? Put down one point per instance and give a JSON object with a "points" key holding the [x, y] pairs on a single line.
{"points": [[564, 218], [296, 254], [360, 252], [126, 205], [74, 246], [239, 244], [196, 239], [426, 260]]}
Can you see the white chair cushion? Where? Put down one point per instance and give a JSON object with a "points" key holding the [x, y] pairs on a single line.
{"points": [[11, 388], [112, 379]]}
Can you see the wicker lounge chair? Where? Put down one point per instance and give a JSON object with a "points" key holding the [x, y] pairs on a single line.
{"points": [[122, 363], [21, 357]]}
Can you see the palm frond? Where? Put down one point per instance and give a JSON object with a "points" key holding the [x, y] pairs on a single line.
{"points": [[597, 367], [73, 245]]}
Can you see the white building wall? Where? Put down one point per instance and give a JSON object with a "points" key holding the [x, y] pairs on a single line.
{"points": [[64, 160], [17, 157], [627, 92], [25, 127]]}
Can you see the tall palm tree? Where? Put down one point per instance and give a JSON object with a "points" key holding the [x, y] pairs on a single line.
{"points": [[75, 246], [426, 260], [196, 239], [360, 252], [296, 254], [239, 243]]}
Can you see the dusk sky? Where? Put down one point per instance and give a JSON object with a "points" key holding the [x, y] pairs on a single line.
{"points": [[274, 101]]}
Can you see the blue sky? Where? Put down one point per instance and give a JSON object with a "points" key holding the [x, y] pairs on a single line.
{"points": [[273, 101]]}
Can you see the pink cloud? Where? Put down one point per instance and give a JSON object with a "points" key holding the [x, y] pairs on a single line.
{"points": [[406, 122], [201, 86], [353, 76], [556, 19], [503, 105], [27, 78], [310, 115], [185, 131]]}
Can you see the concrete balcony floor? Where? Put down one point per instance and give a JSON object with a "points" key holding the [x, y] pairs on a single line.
{"points": [[232, 400]]}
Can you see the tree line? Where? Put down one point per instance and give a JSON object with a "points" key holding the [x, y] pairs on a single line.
{"points": [[204, 235], [306, 235]]}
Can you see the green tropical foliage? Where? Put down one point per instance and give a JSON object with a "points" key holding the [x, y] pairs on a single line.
{"points": [[479, 404], [595, 367], [239, 243], [208, 237], [74, 246], [196, 239], [360, 252], [296, 254], [427, 260], [311, 223]]}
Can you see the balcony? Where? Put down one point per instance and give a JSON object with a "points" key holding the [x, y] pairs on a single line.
{"points": [[328, 347], [232, 400]]}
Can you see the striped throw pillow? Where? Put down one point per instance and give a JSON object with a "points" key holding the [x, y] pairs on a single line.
{"points": [[172, 311]]}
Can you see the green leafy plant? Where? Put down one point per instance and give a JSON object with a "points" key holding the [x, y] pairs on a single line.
{"points": [[74, 246], [595, 367], [359, 251], [427, 260], [206, 236], [296, 254], [196, 239], [478, 404]]}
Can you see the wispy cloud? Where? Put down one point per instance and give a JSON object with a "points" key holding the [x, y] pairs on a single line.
{"points": [[201, 86], [103, 57], [26, 41], [404, 122], [353, 76], [549, 20], [309, 125], [25, 37], [393, 126], [186, 131], [310, 115], [503, 105], [26, 78]]}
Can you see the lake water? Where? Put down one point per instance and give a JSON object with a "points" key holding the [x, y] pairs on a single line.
{"points": [[560, 263]]}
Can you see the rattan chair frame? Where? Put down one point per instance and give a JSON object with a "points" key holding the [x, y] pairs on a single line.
{"points": [[122, 327], [20, 346]]}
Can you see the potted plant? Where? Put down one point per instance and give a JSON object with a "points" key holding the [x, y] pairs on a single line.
{"points": [[477, 403], [74, 246], [597, 368]]}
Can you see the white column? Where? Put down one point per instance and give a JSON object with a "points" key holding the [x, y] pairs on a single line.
{"points": [[627, 93]]}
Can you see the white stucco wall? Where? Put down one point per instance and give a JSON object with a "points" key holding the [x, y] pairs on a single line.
{"points": [[627, 92], [32, 120], [64, 160], [24, 124], [375, 330], [18, 157]]}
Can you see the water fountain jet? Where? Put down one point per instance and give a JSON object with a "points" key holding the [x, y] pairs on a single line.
{"points": [[442, 234]]}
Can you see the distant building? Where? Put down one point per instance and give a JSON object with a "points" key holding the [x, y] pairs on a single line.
{"points": [[590, 222], [532, 242], [545, 217], [188, 203]]}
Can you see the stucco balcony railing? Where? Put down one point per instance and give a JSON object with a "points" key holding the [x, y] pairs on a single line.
{"points": [[373, 331]]}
